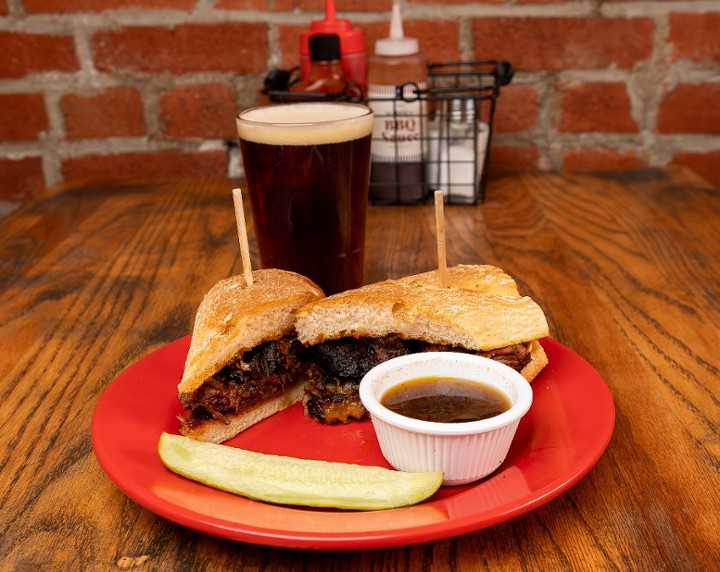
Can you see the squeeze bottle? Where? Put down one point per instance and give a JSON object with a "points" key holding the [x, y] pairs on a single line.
{"points": [[400, 123], [352, 45]]}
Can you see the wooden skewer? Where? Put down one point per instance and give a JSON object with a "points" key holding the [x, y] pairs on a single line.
{"points": [[242, 236], [440, 231]]}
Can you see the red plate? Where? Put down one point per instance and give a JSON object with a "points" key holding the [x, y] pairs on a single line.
{"points": [[557, 443]]}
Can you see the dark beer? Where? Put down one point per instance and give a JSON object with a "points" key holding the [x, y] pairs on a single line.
{"points": [[307, 168]]}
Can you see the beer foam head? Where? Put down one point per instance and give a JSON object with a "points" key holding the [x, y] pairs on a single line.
{"points": [[305, 123]]}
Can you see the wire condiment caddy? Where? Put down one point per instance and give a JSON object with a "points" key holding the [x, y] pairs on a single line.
{"points": [[454, 128]]}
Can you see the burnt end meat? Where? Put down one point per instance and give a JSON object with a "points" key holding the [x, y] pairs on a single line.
{"points": [[250, 378], [333, 369], [331, 395], [516, 356], [331, 401], [352, 358]]}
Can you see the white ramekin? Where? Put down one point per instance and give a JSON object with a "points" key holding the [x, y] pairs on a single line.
{"points": [[464, 452]]}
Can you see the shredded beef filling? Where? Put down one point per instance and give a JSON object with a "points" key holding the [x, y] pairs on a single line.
{"points": [[331, 395], [250, 378], [333, 370]]}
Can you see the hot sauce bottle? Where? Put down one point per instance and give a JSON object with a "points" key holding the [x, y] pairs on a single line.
{"points": [[352, 46], [325, 74]]}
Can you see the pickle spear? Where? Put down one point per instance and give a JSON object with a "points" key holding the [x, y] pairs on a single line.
{"points": [[287, 480]]}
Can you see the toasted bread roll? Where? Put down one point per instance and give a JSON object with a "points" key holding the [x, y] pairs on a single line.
{"points": [[228, 384], [480, 311]]}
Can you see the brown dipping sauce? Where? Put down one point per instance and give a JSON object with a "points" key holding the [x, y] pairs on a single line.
{"points": [[445, 399]]}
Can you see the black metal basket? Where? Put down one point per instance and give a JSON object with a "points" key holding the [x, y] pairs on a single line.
{"points": [[453, 120]]}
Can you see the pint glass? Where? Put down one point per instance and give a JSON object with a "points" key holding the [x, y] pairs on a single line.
{"points": [[307, 167]]}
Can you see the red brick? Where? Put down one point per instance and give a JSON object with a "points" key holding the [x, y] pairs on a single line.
{"points": [[21, 179], [4, 8], [246, 5], [595, 107], [601, 160], [564, 43], [115, 112], [65, 7], [199, 111], [22, 116], [690, 108], [438, 39], [232, 47], [513, 159], [289, 44], [457, 1], [704, 164], [490, 1], [341, 6], [25, 54], [695, 37], [516, 109], [150, 165]]}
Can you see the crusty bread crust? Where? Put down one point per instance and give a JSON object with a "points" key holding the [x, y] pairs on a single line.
{"points": [[538, 361], [477, 278], [234, 318], [480, 310], [216, 431]]}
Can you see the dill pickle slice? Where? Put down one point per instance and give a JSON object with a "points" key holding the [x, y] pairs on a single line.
{"points": [[288, 480]]}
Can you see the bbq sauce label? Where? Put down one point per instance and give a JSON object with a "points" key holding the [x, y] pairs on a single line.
{"points": [[399, 127]]}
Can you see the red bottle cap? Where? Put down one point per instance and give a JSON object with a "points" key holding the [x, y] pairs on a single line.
{"points": [[352, 40]]}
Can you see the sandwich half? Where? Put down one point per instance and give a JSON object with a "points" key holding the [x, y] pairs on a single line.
{"points": [[244, 362], [480, 312]]}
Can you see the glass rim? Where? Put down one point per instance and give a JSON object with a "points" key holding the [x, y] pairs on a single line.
{"points": [[366, 111]]}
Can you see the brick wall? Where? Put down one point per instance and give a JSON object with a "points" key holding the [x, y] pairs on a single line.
{"points": [[113, 89]]}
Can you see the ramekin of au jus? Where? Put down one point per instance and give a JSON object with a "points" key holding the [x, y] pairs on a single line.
{"points": [[445, 411]]}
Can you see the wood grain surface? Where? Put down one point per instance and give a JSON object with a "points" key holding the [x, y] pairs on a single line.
{"points": [[625, 265]]}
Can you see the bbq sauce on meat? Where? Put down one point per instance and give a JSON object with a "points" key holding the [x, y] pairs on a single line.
{"points": [[257, 375], [445, 400]]}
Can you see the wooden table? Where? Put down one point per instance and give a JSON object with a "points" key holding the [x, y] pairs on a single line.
{"points": [[625, 265]]}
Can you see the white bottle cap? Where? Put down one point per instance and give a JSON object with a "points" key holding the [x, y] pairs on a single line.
{"points": [[397, 44]]}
